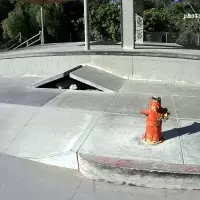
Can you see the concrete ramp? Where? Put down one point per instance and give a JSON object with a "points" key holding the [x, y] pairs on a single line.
{"points": [[97, 78]]}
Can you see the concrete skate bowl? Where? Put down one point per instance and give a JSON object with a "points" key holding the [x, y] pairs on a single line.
{"points": [[178, 66]]}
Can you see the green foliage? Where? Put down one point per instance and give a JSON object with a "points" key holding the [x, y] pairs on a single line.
{"points": [[149, 4], [14, 23], [105, 21], [61, 19], [58, 20], [53, 14], [194, 3], [156, 20], [189, 30], [5, 8], [170, 19], [26, 18], [20, 20]]}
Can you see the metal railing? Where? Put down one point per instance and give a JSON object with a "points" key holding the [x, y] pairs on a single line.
{"points": [[30, 41], [11, 43]]}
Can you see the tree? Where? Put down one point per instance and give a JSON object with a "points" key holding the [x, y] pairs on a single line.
{"points": [[14, 24], [25, 18], [5, 8], [170, 19], [58, 17], [53, 15], [194, 3], [105, 21], [19, 20], [73, 22], [149, 4], [189, 33], [156, 20]]}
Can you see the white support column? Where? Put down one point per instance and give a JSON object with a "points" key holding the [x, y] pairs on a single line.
{"points": [[128, 24], [42, 25], [86, 22]]}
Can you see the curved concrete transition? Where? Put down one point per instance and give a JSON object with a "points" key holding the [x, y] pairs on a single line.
{"points": [[99, 132], [158, 62]]}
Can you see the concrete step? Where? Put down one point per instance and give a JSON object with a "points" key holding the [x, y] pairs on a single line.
{"points": [[140, 173]]}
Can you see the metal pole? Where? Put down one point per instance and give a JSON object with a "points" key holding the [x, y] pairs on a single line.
{"points": [[192, 10], [42, 25], [86, 20], [191, 7], [134, 26], [20, 37]]}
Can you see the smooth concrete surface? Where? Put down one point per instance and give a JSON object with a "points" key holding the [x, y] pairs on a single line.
{"points": [[130, 103], [92, 101], [98, 79], [98, 123], [190, 138], [16, 82], [193, 91], [143, 87], [18, 90], [13, 119], [28, 96], [122, 139], [54, 130], [23, 179], [185, 108], [160, 62], [97, 46]]}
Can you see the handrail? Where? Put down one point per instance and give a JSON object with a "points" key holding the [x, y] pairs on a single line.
{"points": [[11, 47], [26, 42], [5, 45]]}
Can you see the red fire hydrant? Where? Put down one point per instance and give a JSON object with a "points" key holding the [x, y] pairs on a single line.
{"points": [[155, 115]]}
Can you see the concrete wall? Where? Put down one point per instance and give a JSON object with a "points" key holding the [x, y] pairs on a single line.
{"points": [[133, 67]]}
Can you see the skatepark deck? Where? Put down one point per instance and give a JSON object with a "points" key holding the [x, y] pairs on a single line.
{"points": [[65, 128]]}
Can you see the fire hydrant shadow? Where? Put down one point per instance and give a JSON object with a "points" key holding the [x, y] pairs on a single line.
{"points": [[187, 130]]}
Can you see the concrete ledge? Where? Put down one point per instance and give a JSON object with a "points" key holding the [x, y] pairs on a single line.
{"points": [[140, 173], [148, 53], [181, 67]]}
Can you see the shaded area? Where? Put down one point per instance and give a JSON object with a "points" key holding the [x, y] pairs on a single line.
{"points": [[30, 97], [67, 83], [176, 132]]}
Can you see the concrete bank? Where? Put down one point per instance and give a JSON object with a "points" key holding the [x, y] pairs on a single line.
{"points": [[142, 64]]}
